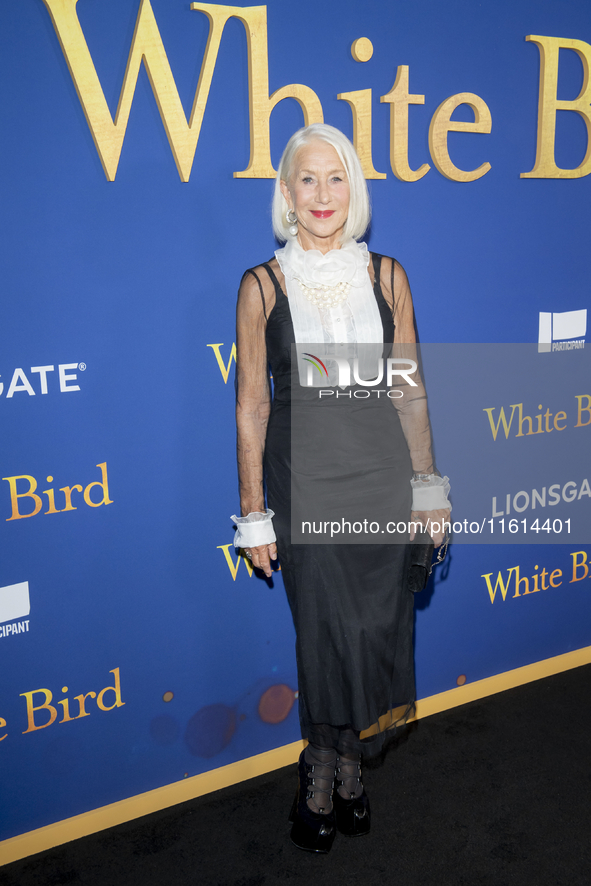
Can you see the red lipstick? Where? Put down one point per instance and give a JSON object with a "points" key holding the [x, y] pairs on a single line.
{"points": [[324, 213]]}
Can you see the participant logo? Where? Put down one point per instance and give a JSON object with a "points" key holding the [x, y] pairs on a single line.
{"points": [[14, 606], [562, 332]]}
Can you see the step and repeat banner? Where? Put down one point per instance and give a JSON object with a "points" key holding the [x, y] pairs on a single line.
{"points": [[139, 141]]}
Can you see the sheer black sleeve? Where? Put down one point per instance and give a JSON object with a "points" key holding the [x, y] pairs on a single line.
{"points": [[412, 406], [253, 396]]}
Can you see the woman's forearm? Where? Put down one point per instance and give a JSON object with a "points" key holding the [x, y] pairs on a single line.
{"points": [[252, 431]]}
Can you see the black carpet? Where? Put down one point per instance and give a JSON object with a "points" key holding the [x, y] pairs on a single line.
{"points": [[494, 793]]}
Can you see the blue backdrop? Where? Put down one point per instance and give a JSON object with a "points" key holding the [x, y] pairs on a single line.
{"points": [[116, 369]]}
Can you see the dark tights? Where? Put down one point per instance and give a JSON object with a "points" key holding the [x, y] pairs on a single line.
{"points": [[328, 763]]}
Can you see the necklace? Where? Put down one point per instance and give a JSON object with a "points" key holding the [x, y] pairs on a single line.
{"points": [[324, 296]]}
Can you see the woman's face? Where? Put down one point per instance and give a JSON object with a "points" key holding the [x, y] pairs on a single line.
{"points": [[318, 192]]}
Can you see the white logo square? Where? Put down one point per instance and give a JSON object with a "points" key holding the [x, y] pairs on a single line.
{"points": [[561, 326], [14, 601]]}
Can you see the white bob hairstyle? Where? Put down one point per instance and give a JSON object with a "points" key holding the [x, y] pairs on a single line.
{"points": [[359, 208]]}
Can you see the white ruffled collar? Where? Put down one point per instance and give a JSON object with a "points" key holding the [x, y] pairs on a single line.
{"points": [[345, 265]]}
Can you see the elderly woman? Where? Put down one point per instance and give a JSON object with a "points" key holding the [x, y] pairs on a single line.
{"points": [[351, 605]]}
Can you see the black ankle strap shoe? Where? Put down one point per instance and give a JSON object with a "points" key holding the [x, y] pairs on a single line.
{"points": [[351, 813], [312, 831]]}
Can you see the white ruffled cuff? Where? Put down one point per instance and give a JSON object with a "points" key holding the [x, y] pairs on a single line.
{"points": [[255, 529], [431, 494]]}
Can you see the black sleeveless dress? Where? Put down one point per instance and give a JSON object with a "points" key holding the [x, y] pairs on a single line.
{"points": [[352, 609]]}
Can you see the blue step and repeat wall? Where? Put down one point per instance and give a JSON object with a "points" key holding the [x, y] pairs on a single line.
{"points": [[138, 144]]}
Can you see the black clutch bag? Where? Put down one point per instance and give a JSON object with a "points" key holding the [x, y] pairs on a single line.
{"points": [[421, 560]]}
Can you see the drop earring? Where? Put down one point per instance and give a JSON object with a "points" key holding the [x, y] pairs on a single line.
{"points": [[292, 221]]}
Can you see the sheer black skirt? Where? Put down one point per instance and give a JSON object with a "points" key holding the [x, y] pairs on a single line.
{"points": [[351, 607]]}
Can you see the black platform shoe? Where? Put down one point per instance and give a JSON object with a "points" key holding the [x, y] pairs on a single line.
{"points": [[312, 831], [351, 814]]}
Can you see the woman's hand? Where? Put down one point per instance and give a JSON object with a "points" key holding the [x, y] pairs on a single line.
{"points": [[428, 518], [261, 557]]}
